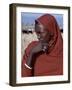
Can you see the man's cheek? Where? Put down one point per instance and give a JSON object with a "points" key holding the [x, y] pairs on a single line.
{"points": [[46, 38]]}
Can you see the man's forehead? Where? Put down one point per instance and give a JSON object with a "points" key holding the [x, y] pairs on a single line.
{"points": [[40, 27]]}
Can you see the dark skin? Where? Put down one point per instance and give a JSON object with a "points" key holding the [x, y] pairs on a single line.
{"points": [[43, 36], [42, 33]]}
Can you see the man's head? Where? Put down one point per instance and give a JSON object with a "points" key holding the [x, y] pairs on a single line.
{"points": [[42, 33], [48, 32]]}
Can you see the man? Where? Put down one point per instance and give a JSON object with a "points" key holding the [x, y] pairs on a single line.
{"points": [[44, 57]]}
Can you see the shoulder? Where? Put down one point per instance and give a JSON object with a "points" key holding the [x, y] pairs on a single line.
{"points": [[33, 43]]}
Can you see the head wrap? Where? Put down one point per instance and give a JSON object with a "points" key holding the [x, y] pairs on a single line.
{"points": [[56, 43]]}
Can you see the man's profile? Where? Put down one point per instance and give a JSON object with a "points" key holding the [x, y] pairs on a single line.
{"points": [[45, 56]]}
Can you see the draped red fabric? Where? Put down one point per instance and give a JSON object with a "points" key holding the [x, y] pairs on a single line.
{"points": [[49, 22], [51, 63]]}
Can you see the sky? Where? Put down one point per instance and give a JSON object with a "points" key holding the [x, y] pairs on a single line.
{"points": [[29, 18]]}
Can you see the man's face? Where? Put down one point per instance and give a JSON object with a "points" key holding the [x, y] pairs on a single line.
{"points": [[42, 33]]}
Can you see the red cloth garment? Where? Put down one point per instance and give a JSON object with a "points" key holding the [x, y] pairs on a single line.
{"points": [[46, 64]]}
